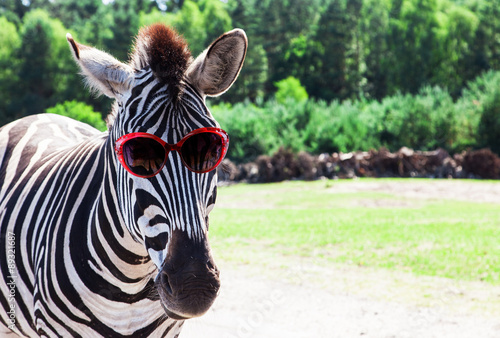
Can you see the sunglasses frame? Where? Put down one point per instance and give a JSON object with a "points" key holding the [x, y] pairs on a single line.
{"points": [[172, 147]]}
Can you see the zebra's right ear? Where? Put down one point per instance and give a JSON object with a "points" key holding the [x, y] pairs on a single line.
{"points": [[103, 73]]}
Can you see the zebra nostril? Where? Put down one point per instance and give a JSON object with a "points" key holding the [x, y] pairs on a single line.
{"points": [[211, 266], [166, 283]]}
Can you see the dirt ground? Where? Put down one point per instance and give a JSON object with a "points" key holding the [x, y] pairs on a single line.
{"points": [[305, 298]]}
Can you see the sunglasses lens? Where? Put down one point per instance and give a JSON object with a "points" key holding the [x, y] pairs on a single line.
{"points": [[202, 152], [143, 156]]}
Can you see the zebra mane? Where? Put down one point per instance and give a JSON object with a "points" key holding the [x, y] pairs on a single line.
{"points": [[165, 51]]}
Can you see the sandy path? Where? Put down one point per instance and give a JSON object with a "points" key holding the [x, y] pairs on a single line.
{"points": [[259, 306]]}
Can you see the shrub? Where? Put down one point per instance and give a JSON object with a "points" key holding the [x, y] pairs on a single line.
{"points": [[340, 127], [425, 121], [250, 130], [479, 112], [287, 121], [489, 125], [79, 111], [290, 88]]}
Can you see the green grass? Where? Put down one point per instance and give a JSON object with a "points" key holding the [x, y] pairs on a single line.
{"points": [[436, 237]]}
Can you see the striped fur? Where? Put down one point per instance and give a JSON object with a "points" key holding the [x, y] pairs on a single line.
{"points": [[89, 250]]}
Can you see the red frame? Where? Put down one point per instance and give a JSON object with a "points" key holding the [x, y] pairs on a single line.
{"points": [[169, 147]]}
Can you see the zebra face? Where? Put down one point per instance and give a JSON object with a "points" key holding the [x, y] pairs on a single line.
{"points": [[161, 94], [169, 211]]}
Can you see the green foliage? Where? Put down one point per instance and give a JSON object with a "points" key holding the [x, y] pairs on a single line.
{"points": [[476, 113], [335, 55], [79, 111], [457, 29], [250, 129], [290, 88], [480, 112], [124, 26], [155, 16], [200, 22], [413, 42], [191, 23], [424, 121], [89, 19], [338, 49], [216, 19], [341, 127], [489, 126], [253, 77], [44, 65], [377, 73], [8, 66]]}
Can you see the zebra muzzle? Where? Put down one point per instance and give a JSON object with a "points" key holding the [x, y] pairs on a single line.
{"points": [[188, 284]]}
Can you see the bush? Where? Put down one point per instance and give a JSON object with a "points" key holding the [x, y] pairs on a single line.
{"points": [[262, 130], [479, 112], [425, 121], [287, 121], [489, 125], [290, 88], [79, 111], [339, 127], [250, 130]]}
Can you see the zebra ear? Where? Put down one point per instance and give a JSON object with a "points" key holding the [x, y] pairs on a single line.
{"points": [[103, 73], [216, 69]]}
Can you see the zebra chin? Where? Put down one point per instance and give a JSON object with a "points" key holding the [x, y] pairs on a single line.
{"points": [[188, 293]]}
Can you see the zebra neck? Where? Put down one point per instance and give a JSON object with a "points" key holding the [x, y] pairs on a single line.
{"points": [[112, 239]]}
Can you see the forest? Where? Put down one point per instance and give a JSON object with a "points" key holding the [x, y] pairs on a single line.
{"points": [[320, 75]]}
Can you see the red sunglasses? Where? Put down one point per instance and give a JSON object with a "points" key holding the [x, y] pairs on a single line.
{"points": [[144, 155]]}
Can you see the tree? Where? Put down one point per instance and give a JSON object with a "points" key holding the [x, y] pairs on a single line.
{"points": [[169, 5], [37, 65], [252, 79], [124, 27], [456, 31], [189, 21], [353, 50], [412, 41], [13, 8], [375, 53], [273, 25], [8, 68], [46, 70], [486, 45], [90, 20], [216, 19], [327, 57]]}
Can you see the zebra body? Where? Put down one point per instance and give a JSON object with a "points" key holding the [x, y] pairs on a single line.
{"points": [[89, 249]]}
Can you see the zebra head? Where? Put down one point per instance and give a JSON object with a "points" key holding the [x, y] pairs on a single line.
{"points": [[165, 202]]}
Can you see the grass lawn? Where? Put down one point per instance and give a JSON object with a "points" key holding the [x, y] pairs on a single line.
{"points": [[325, 220]]}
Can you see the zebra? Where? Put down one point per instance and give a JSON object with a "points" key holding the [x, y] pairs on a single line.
{"points": [[105, 233]]}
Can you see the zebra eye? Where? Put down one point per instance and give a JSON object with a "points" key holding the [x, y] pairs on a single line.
{"points": [[144, 156], [202, 152]]}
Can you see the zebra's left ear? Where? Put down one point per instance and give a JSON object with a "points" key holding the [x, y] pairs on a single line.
{"points": [[103, 73], [216, 69]]}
